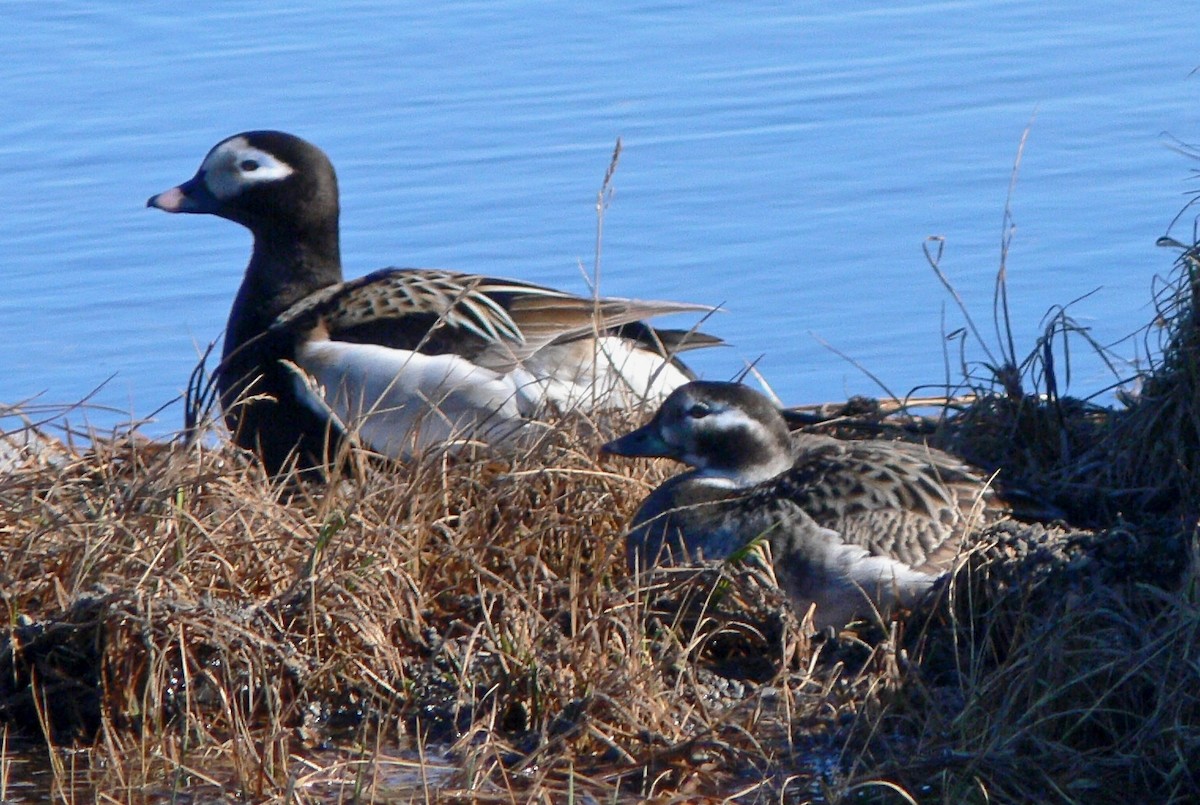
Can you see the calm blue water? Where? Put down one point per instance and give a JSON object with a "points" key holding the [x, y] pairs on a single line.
{"points": [[786, 163]]}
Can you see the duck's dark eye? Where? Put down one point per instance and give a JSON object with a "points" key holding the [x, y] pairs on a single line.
{"points": [[699, 411], [248, 165]]}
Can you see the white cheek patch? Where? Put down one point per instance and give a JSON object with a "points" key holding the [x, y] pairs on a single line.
{"points": [[718, 420], [735, 420], [235, 164]]}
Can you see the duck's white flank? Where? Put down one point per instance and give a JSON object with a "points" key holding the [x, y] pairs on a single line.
{"points": [[399, 402]]}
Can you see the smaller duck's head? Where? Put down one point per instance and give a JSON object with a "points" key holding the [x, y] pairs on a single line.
{"points": [[723, 430]]}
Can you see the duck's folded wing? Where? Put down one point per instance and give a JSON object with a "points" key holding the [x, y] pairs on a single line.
{"points": [[544, 319], [911, 537], [666, 342], [400, 402], [495, 323], [834, 480], [425, 310]]}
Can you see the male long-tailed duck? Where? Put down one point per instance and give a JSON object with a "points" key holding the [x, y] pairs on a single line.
{"points": [[403, 358]]}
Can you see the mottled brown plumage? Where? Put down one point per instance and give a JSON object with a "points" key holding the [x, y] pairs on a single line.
{"points": [[899, 499], [851, 524]]}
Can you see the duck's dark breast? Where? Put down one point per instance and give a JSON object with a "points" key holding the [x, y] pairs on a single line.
{"points": [[261, 407]]}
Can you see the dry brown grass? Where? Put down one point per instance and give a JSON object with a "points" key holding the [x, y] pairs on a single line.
{"points": [[199, 628], [177, 611], [465, 629]]}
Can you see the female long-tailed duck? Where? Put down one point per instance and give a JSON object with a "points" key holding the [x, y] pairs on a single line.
{"points": [[852, 525]]}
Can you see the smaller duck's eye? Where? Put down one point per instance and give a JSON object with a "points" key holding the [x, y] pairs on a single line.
{"points": [[698, 411], [248, 165]]}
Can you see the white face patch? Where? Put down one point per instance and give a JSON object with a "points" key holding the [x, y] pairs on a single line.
{"points": [[235, 164], [711, 433]]}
